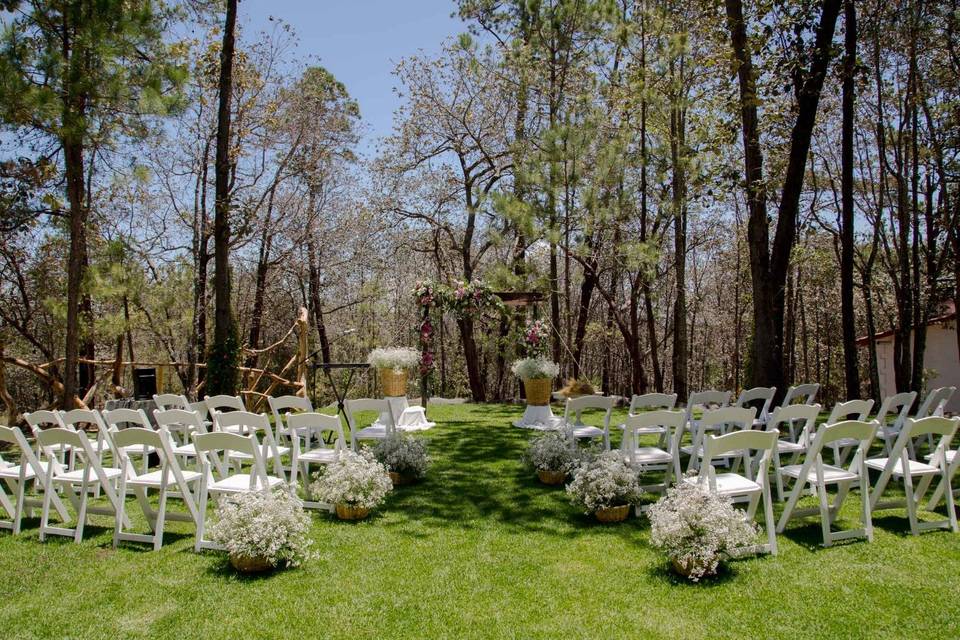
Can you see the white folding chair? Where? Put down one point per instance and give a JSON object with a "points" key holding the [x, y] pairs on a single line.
{"points": [[855, 410], [703, 401], [317, 424], [208, 446], [246, 423], [651, 402], [816, 475], [900, 466], [117, 420], [644, 458], [952, 459], [933, 405], [750, 397], [16, 477], [223, 404], [283, 406], [40, 420], [752, 488], [807, 413], [166, 401], [800, 394], [184, 423], [719, 420], [898, 405], [92, 473], [376, 431], [573, 418], [169, 475]]}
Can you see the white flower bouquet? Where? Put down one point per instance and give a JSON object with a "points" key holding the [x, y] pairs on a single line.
{"points": [[403, 455], [535, 368], [696, 528], [268, 526], [394, 358], [604, 482], [356, 481], [552, 455]]}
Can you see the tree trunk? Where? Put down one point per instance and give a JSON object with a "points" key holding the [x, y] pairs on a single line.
{"points": [[73, 161], [679, 206], [848, 320], [470, 354]]}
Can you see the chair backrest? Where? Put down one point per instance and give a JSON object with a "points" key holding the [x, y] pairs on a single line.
{"points": [[209, 444], [352, 407], [576, 406], [319, 424], [935, 401], [651, 402], [740, 416], [932, 425], [708, 399], [284, 405], [744, 442], [179, 420], [125, 418], [762, 395], [40, 420], [801, 394], [200, 406], [223, 402], [166, 401], [795, 413], [670, 420], [851, 410], [15, 437], [133, 436], [246, 421], [899, 403]]}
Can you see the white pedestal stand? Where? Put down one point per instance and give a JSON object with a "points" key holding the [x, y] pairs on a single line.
{"points": [[540, 418], [407, 417]]}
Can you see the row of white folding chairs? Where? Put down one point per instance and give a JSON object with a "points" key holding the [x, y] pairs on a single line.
{"points": [[214, 452]]}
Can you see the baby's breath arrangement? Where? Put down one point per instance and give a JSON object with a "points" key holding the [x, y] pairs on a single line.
{"points": [[533, 368], [602, 482], [268, 525], [403, 454], [355, 480], [551, 452], [696, 528], [394, 358]]}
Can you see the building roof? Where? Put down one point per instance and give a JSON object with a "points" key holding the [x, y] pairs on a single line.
{"points": [[949, 313]]}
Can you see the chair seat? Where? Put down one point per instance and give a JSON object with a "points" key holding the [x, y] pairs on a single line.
{"points": [[831, 474], [785, 446], [185, 450], [688, 450], [240, 483], [76, 476], [139, 449], [916, 468], [586, 431], [888, 432], [29, 473], [236, 455], [730, 484], [649, 455], [845, 442], [153, 479], [644, 431], [372, 432], [322, 456], [949, 456]]}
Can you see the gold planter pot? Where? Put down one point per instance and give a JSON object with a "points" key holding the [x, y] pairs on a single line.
{"points": [[393, 382], [552, 477], [538, 391], [347, 512], [613, 514], [400, 478], [244, 564]]}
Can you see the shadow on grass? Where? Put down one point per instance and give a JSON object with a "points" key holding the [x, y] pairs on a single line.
{"points": [[663, 572]]}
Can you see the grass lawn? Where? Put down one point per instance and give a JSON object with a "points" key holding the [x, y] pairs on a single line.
{"points": [[481, 550]]}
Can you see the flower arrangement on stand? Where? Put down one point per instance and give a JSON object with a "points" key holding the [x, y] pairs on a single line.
{"points": [[354, 484], [552, 455], [263, 530], [393, 363], [537, 374], [697, 529], [404, 456], [605, 486]]}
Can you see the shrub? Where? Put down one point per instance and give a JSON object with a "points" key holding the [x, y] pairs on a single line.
{"points": [[265, 524], [403, 454], [531, 368], [696, 528], [355, 480], [603, 481], [551, 452], [394, 358]]}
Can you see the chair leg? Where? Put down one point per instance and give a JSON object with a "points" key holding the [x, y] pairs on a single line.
{"points": [[161, 517], [18, 508], [82, 516], [911, 504], [202, 523], [120, 515], [825, 519]]}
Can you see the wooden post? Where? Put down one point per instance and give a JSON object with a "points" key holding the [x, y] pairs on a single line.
{"points": [[160, 375], [5, 396], [303, 329]]}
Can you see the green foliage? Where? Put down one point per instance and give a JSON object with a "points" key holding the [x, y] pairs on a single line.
{"points": [[223, 362]]}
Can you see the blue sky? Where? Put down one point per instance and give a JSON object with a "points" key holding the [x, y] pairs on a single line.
{"points": [[360, 41]]}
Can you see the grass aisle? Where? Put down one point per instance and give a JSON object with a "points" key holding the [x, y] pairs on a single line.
{"points": [[481, 550]]}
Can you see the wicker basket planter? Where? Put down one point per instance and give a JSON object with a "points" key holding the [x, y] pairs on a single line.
{"points": [[399, 479], [685, 569], [538, 391], [552, 477], [347, 512], [613, 514], [393, 382], [245, 564]]}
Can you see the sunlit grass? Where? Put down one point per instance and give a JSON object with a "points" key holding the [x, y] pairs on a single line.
{"points": [[481, 549]]}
